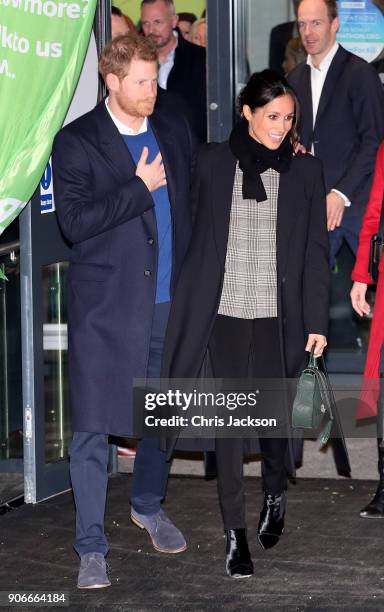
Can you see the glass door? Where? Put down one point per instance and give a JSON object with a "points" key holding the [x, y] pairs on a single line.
{"points": [[11, 409], [238, 44], [44, 350], [55, 362]]}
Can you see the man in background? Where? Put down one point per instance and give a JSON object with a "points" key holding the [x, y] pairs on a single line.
{"points": [[342, 118], [182, 66]]}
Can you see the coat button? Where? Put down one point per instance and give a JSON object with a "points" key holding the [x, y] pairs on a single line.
{"points": [[147, 273], [283, 279], [150, 241]]}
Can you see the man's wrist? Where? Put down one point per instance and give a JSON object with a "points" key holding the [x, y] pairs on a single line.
{"points": [[347, 202]]}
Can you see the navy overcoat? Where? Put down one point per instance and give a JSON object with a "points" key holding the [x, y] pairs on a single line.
{"points": [[107, 213]]}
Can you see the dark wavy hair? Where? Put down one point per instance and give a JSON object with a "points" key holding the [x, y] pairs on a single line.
{"points": [[262, 88]]}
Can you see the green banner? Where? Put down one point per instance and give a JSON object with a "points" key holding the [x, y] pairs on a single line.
{"points": [[42, 48]]}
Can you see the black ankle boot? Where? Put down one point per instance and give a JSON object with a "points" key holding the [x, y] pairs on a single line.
{"points": [[238, 562], [375, 508], [271, 523]]}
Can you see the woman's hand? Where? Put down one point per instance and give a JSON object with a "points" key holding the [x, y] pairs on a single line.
{"points": [[300, 148], [358, 300], [319, 341]]}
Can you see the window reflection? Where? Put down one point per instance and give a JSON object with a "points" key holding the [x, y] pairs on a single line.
{"points": [[55, 350]]}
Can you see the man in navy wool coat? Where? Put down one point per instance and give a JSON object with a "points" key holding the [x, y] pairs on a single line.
{"points": [[122, 181]]}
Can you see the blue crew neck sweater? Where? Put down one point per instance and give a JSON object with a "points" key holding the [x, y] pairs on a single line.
{"points": [[160, 197]]}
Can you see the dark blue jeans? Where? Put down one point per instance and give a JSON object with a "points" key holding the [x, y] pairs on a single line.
{"points": [[89, 465]]}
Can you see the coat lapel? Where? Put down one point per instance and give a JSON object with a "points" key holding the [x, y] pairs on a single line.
{"points": [[115, 151], [222, 179], [168, 153], [304, 91], [331, 80], [289, 205]]}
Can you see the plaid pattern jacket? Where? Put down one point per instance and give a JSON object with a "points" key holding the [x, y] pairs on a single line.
{"points": [[250, 278]]}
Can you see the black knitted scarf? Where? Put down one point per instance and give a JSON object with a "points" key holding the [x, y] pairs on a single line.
{"points": [[255, 158]]}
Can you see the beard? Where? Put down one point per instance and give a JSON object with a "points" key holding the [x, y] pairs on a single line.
{"points": [[136, 108], [160, 41]]}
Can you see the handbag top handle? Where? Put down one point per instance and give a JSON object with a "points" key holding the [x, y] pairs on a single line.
{"points": [[312, 363]]}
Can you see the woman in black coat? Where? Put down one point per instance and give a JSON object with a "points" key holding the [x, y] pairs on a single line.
{"points": [[254, 286]]}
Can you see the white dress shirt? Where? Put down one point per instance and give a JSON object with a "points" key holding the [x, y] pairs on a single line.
{"points": [[166, 67], [318, 76]]}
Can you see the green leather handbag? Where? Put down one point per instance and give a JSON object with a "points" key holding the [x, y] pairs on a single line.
{"points": [[313, 401]]}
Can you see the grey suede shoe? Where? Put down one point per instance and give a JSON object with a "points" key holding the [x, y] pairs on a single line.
{"points": [[93, 572], [163, 533]]}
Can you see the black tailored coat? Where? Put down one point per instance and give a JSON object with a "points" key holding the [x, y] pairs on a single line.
{"points": [[302, 263], [107, 213], [188, 78], [349, 124]]}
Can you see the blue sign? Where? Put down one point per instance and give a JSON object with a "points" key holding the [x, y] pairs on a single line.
{"points": [[47, 201], [361, 28]]}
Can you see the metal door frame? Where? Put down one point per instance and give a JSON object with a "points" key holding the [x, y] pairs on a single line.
{"points": [[10, 465], [220, 69]]}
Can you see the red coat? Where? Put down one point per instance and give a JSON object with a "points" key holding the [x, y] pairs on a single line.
{"points": [[370, 226]]}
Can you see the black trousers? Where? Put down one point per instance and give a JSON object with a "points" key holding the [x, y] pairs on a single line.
{"points": [[240, 348]]}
